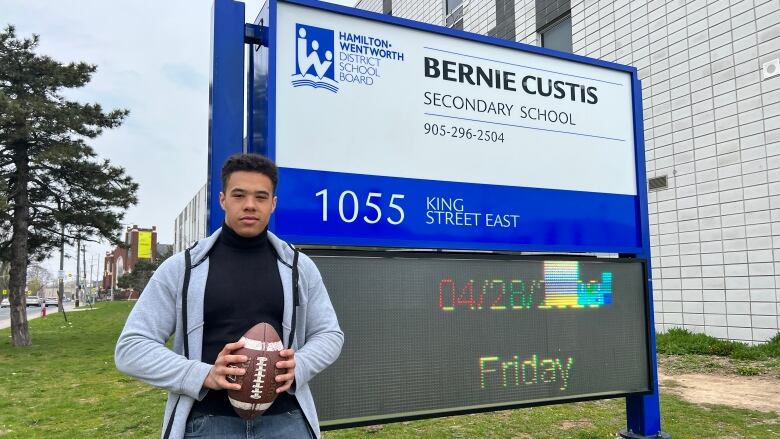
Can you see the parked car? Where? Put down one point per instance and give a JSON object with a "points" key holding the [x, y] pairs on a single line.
{"points": [[51, 301], [5, 304], [34, 301]]}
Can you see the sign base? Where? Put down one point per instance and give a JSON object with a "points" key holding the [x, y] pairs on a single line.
{"points": [[631, 435]]}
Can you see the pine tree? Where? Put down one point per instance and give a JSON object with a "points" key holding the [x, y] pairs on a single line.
{"points": [[54, 186]]}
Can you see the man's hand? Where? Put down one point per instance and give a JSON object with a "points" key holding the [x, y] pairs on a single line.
{"points": [[217, 377], [289, 364]]}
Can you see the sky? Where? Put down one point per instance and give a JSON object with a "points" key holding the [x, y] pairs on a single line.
{"points": [[152, 58]]}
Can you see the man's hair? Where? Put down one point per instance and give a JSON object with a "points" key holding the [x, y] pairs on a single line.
{"points": [[252, 163]]}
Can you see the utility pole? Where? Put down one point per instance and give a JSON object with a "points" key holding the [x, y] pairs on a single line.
{"points": [[91, 265], [112, 274], [84, 290], [61, 275], [96, 280], [78, 268]]}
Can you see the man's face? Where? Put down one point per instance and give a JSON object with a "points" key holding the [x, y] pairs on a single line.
{"points": [[248, 202]]}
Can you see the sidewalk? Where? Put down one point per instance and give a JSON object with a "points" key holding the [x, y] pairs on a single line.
{"points": [[5, 321]]}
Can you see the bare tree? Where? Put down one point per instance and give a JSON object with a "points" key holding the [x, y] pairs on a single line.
{"points": [[38, 278], [5, 267]]}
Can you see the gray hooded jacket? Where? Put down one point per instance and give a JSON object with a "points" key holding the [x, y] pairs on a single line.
{"points": [[141, 351]]}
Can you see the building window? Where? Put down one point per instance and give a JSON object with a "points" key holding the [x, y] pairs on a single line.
{"points": [[558, 35], [658, 183], [505, 21], [454, 17]]}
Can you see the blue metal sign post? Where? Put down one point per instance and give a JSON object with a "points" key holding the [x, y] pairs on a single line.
{"points": [[643, 412], [331, 192], [226, 97]]}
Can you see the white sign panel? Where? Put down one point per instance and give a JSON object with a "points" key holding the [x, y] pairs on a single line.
{"points": [[535, 121]]}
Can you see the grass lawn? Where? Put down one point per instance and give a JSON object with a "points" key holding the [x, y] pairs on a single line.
{"points": [[66, 386]]}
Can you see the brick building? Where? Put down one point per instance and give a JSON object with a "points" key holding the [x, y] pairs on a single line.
{"points": [[140, 244]]}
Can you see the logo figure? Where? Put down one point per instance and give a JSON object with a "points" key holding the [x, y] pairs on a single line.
{"points": [[314, 50]]}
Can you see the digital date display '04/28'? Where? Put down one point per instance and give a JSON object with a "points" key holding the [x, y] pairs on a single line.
{"points": [[375, 207]]}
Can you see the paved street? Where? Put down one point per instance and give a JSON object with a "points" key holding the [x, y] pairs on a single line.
{"points": [[33, 312]]}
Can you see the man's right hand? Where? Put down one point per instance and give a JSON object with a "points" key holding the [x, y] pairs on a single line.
{"points": [[217, 377]]}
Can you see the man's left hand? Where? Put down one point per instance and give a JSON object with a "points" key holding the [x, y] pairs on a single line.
{"points": [[289, 364]]}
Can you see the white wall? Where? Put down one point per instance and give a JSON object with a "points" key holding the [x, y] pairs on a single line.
{"points": [[712, 125]]}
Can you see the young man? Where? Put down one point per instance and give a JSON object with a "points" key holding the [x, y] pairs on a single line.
{"points": [[241, 275]]}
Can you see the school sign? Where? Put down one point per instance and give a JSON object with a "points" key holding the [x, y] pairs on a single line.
{"points": [[397, 138]]}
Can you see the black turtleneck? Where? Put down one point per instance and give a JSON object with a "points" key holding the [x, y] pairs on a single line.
{"points": [[243, 289]]}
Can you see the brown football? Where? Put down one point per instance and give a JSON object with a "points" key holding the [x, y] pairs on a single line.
{"points": [[258, 386]]}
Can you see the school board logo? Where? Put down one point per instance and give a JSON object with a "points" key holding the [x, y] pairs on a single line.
{"points": [[314, 58]]}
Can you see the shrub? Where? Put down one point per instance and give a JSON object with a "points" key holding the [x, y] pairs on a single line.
{"points": [[678, 341]]}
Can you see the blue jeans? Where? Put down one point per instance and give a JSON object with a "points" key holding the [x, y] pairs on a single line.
{"points": [[290, 425]]}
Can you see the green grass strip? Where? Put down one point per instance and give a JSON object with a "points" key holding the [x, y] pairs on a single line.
{"points": [[679, 341], [66, 386]]}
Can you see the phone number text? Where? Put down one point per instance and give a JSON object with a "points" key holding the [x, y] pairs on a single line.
{"points": [[443, 130]]}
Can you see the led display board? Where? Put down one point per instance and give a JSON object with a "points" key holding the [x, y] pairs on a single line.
{"points": [[432, 334], [393, 134]]}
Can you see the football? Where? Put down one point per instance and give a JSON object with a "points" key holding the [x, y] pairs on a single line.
{"points": [[258, 386]]}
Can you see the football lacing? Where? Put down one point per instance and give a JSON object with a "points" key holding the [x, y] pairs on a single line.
{"points": [[257, 384]]}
